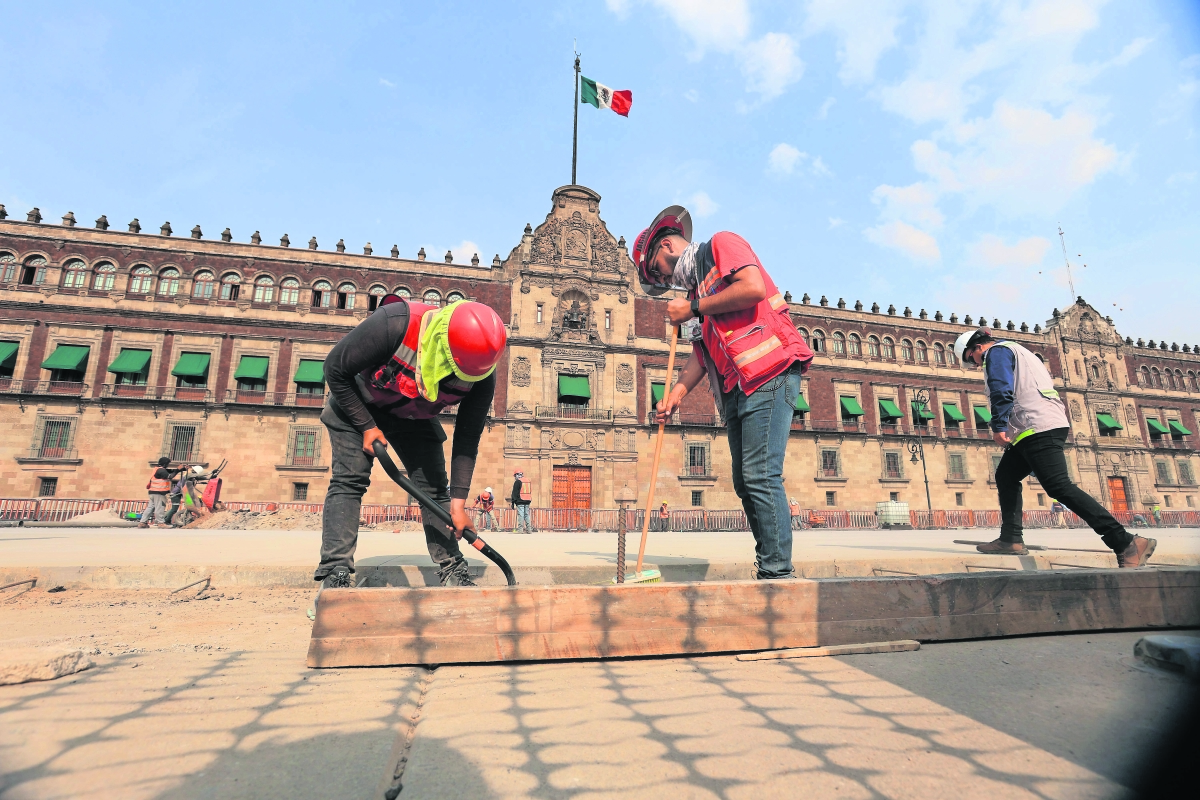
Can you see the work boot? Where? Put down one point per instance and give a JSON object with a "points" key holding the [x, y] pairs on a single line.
{"points": [[1137, 554], [338, 578], [999, 547], [454, 573], [759, 576]]}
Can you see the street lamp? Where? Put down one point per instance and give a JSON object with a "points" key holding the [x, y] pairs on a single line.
{"points": [[917, 446]]}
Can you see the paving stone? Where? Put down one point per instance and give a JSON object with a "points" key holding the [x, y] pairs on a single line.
{"points": [[22, 666]]}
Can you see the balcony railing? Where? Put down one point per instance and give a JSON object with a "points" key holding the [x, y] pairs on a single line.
{"points": [[72, 388], [1170, 443], [696, 471], [687, 420], [564, 411], [53, 453]]}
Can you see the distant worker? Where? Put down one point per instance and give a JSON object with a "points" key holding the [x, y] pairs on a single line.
{"points": [[794, 512], [520, 498], [485, 501], [752, 354], [157, 489], [664, 518], [389, 378], [1030, 419], [1057, 509]]}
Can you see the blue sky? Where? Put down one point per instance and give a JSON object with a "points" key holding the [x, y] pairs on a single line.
{"points": [[920, 154]]}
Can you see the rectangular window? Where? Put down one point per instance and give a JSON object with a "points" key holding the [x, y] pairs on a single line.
{"points": [[891, 465], [1162, 473], [830, 467], [697, 459], [697, 499], [56, 439], [299, 491], [1041, 499], [958, 466], [1191, 501], [1186, 477], [304, 446], [894, 497], [831, 498], [539, 313], [1167, 497], [960, 498], [995, 466], [47, 487], [183, 443], [607, 320]]}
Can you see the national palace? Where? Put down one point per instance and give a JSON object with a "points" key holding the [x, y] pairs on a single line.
{"points": [[119, 345]]}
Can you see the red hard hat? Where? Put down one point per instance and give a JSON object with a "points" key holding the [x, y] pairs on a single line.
{"points": [[477, 337], [671, 217]]}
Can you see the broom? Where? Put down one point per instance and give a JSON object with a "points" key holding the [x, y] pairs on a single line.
{"points": [[652, 575]]}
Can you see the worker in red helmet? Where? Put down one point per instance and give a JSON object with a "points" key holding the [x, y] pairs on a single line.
{"points": [[745, 342], [389, 378]]}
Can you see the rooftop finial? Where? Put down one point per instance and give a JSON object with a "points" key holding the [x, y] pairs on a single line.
{"points": [[284, 241], [395, 251], [165, 229], [135, 226], [449, 257], [475, 260], [34, 216], [102, 223], [367, 249], [256, 238], [421, 254], [69, 219], [196, 233], [340, 246], [312, 243], [226, 235]]}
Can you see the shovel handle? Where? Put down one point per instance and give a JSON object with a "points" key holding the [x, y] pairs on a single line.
{"points": [[658, 443]]}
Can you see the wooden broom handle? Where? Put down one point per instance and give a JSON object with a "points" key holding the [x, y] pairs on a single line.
{"points": [[662, 424]]}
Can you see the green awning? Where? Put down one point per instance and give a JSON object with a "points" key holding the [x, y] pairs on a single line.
{"points": [[192, 365], [67, 356], [889, 410], [1110, 424], [920, 413], [801, 403], [851, 408], [131, 361], [656, 391], [310, 372], [1154, 425], [1177, 427], [253, 367], [8, 353], [951, 411], [574, 386], [982, 415]]}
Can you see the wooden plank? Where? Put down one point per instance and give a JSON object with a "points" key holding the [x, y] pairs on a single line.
{"points": [[899, 646], [382, 626]]}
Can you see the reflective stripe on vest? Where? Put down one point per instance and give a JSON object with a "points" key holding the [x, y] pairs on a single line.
{"points": [[159, 485], [758, 351], [777, 302]]}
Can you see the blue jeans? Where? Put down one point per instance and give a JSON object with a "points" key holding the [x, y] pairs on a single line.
{"points": [[758, 426], [523, 518]]}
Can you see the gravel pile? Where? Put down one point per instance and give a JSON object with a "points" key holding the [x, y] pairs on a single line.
{"points": [[260, 520]]}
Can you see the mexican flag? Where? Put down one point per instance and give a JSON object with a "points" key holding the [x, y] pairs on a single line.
{"points": [[601, 96]]}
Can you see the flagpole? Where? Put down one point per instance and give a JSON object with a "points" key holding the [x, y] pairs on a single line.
{"points": [[575, 134]]}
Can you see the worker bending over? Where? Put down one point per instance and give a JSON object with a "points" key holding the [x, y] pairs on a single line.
{"points": [[1030, 418], [753, 357], [388, 380]]}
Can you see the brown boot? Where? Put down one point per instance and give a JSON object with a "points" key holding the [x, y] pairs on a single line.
{"points": [[1137, 554], [1002, 548]]}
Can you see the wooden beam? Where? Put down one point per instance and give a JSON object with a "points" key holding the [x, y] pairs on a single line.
{"points": [[393, 626]]}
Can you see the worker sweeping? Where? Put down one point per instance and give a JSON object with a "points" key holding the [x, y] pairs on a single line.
{"points": [[753, 357], [1030, 420], [388, 380]]}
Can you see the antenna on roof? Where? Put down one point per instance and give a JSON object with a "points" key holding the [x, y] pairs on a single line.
{"points": [[1063, 241]]}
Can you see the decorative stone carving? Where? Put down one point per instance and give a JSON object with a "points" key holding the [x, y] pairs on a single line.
{"points": [[519, 407], [573, 439], [594, 440], [624, 378], [619, 439], [551, 439], [520, 371], [1131, 415], [1076, 411], [573, 458], [574, 245]]}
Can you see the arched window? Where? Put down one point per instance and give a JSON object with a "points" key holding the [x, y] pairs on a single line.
{"points": [[168, 282], [345, 295], [454, 297], [951, 359], [818, 341], [1195, 383], [1095, 372], [1156, 381], [322, 294], [1179, 381], [432, 297], [231, 286], [74, 274], [839, 343], [1112, 373], [289, 292], [1143, 377], [922, 352], [141, 280], [403, 291], [8, 268], [34, 272], [1169, 383], [264, 289], [889, 348], [102, 281], [939, 354], [203, 285], [906, 350], [374, 295], [873, 346], [804, 335], [854, 345]]}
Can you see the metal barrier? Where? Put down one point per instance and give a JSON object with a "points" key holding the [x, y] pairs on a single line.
{"points": [[52, 509], [123, 507], [18, 509]]}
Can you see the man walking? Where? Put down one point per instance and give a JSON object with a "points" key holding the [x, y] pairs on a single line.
{"points": [[1030, 419], [520, 499], [389, 378], [753, 357]]}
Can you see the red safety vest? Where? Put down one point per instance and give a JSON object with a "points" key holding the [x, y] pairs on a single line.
{"points": [[158, 485], [393, 386]]}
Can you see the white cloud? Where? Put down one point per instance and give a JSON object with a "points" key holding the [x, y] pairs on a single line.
{"points": [[691, 95], [1132, 51], [720, 25], [991, 251], [913, 242], [702, 205], [824, 110], [771, 65], [387, 83], [836, 222], [865, 29], [462, 252], [915, 203], [1181, 177], [820, 168], [783, 159]]}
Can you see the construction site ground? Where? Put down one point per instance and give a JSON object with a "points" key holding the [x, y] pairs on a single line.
{"points": [[208, 697]]}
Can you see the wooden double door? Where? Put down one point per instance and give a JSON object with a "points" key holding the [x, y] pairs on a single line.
{"points": [[571, 498], [1117, 497]]}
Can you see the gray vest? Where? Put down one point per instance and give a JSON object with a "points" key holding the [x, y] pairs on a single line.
{"points": [[1036, 404]]}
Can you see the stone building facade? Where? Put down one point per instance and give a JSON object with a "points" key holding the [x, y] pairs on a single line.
{"points": [[120, 346]]}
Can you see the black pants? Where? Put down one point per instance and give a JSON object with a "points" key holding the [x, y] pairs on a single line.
{"points": [[1042, 455], [418, 442]]}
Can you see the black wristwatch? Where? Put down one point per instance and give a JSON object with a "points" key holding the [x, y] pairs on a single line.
{"points": [[696, 308]]}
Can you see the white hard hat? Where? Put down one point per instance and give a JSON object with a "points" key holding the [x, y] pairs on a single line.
{"points": [[197, 469], [488, 490], [963, 342]]}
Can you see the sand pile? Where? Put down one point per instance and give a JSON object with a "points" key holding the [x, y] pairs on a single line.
{"points": [[285, 519]]}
